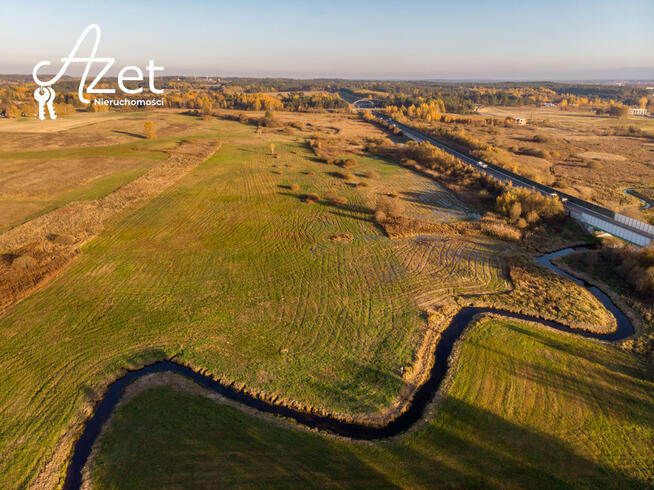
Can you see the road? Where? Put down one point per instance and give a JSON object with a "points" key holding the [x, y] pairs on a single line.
{"points": [[601, 218], [358, 102]]}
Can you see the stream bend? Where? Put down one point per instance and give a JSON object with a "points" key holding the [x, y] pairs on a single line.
{"points": [[420, 400]]}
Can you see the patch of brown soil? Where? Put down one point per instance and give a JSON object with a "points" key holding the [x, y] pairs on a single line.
{"points": [[53, 239], [344, 237], [401, 226]]}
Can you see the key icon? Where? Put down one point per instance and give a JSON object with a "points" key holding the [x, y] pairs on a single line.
{"points": [[50, 103], [45, 96], [42, 95]]}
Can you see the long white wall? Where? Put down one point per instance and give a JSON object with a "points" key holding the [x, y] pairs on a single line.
{"points": [[611, 228], [634, 223]]}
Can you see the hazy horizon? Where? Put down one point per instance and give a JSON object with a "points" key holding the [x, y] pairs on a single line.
{"points": [[417, 40]]}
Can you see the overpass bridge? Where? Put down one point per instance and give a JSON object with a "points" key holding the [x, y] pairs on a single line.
{"points": [[358, 102], [618, 225]]}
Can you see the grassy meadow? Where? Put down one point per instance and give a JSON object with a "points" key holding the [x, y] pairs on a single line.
{"points": [[306, 303], [526, 408], [81, 157], [231, 272]]}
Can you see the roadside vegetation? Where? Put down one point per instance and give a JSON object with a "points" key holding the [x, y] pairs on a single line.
{"points": [[573, 147]]}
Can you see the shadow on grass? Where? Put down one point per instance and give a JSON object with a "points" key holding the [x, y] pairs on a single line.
{"points": [[163, 438], [133, 135], [606, 382], [436, 199]]}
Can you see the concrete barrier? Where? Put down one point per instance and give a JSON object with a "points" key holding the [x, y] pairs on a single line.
{"points": [[611, 228], [634, 223]]}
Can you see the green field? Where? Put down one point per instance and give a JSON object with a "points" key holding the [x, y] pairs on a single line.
{"points": [[42, 171], [231, 273], [527, 408], [36, 182]]}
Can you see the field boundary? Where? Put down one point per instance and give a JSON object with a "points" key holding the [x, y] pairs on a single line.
{"points": [[39, 249]]}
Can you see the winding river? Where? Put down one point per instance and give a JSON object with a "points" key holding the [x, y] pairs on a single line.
{"points": [[422, 397], [646, 204]]}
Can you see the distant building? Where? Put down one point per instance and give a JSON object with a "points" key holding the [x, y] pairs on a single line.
{"points": [[519, 120], [637, 111]]}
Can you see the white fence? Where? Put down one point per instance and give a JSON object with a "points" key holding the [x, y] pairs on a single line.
{"points": [[634, 223], [612, 228]]}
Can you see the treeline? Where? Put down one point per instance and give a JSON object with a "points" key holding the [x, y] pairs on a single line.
{"points": [[17, 100], [301, 102], [421, 100], [634, 266], [488, 152], [524, 207], [444, 163], [267, 85], [502, 93]]}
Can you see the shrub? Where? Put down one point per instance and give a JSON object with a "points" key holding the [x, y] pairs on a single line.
{"points": [[371, 174], [634, 266], [270, 120], [390, 206], [149, 130], [540, 138], [23, 262], [346, 175], [349, 163], [500, 230], [531, 204], [294, 187], [532, 217], [515, 210], [380, 216], [311, 198], [618, 110], [534, 152], [338, 200]]}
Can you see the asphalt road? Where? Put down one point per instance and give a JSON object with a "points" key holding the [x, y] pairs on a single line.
{"points": [[569, 202]]}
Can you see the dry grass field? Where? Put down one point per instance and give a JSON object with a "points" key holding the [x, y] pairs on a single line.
{"points": [[593, 156], [45, 165], [267, 270]]}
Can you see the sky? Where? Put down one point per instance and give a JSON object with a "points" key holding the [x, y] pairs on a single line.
{"points": [[509, 40]]}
